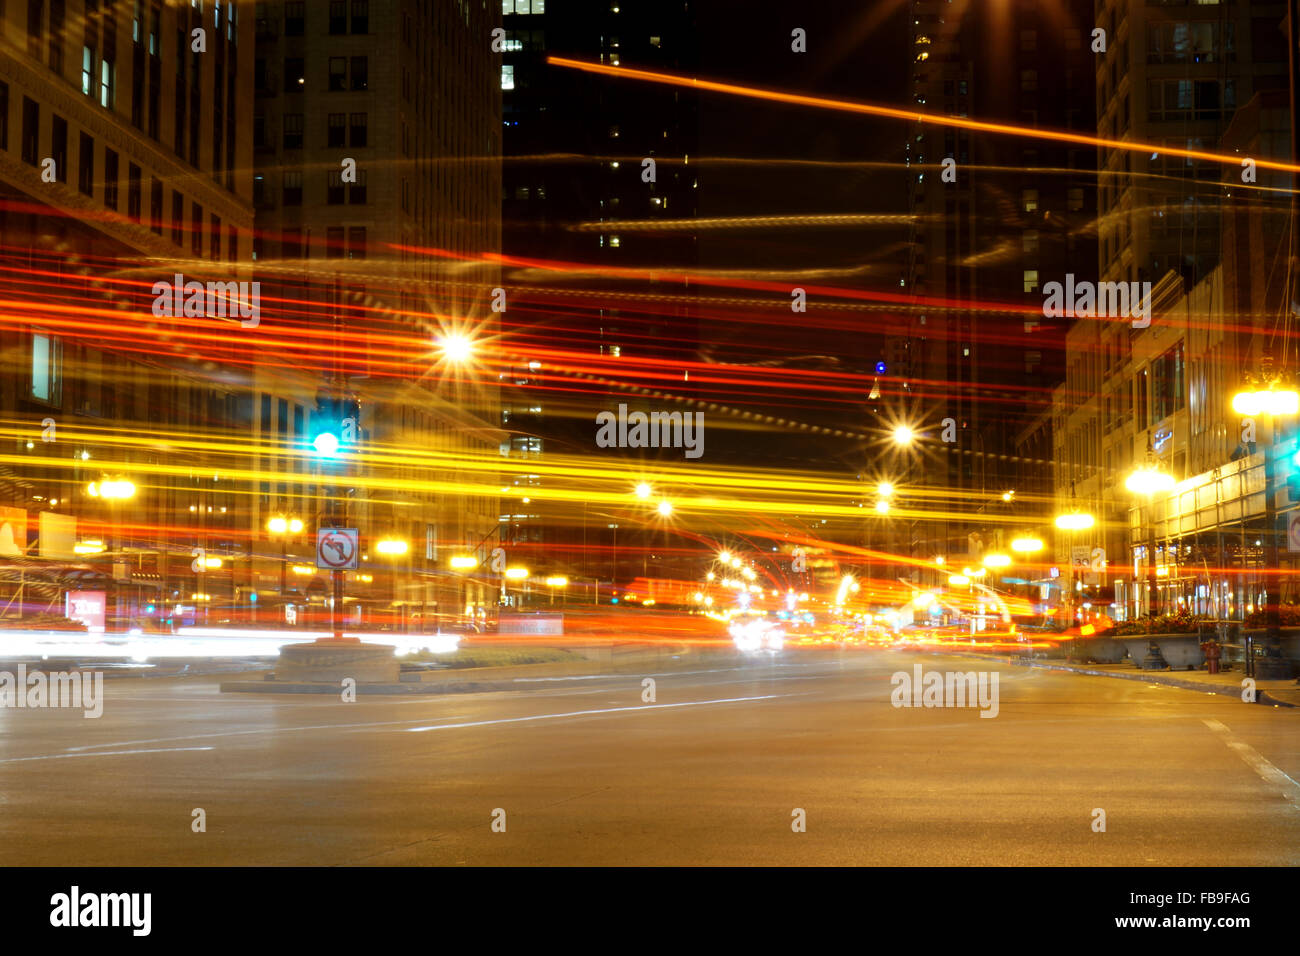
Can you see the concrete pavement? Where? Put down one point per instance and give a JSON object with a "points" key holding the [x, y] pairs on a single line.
{"points": [[711, 772]]}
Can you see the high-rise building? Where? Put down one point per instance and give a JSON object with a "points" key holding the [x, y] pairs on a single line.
{"points": [[376, 137], [125, 159], [995, 218]]}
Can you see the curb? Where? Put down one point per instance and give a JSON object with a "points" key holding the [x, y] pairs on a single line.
{"points": [[1228, 690]]}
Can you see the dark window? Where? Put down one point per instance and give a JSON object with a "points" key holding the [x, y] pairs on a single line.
{"points": [[86, 164], [334, 242], [293, 131], [133, 191], [232, 243], [337, 130], [196, 229], [56, 36], [357, 190], [360, 73], [59, 147], [259, 131], [4, 115], [358, 129], [31, 131], [292, 188], [110, 179], [260, 83], [295, 77], [294, 19], [291, 244], [334, 189], [35, 14], [357, 242], [338, 73], [178, 218], [360, 16], [338, 17], [156, 205], [214, 225]]}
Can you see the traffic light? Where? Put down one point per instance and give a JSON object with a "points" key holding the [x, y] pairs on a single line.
{"points": [[334, 426]]}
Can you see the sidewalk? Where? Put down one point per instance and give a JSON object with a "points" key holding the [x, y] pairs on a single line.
{"points": [[1279, 693]]}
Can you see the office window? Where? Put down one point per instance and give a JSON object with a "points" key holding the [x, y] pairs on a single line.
{"points": [[1029, 242], [107, 84], [47, 368], [35, 16], [360, 16], [156, 205], [59, 147], [1031, 280], [232, 243], [178, 218], [292, 195], [336, 130], [357, 242], [293, 131], [1029, 200], [56, 35], [196, 229], [295, 76], [214, 229], [334, 189], [4, 116], [1028, 81], [357, 190], [1028, 40], [358, 129], [338, 73], [87, 71], [507, 76], [110, 179], [334, 242], [1074, 198], [85, 164], [259, 131], [291, 244], [31, 131], [360, 73], [295, 19], [338, 17]]}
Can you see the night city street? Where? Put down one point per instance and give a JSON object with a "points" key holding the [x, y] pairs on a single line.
{"points": [[441, 442]]}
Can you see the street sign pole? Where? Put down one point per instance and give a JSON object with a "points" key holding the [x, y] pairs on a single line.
{"points": [[336, 615]]}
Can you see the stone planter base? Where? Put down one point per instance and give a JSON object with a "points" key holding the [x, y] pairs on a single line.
{"points": [[330, 662]]}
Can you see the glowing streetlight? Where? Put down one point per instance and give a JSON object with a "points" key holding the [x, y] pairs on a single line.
{"points": [[724, 557], [391, 546], [903, 435], [1027, 545], [665, 508], [1075, 521], [885, 489], [456, 348], [113, 489], [882, 507], [1269, 401], [516, 574], [996, 560], [643, 490], [463, 562], [1149, 480], [958, 580], [557, 581]]}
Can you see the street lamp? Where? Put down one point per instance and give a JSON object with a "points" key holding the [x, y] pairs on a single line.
{"points": [[281, 526], [643, 490], [903, 435], [1149, 480], [456, 347]]}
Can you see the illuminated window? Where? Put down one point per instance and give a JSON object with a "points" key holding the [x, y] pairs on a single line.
{"points": [[47, 368], [1031, 280], [507, 76]]}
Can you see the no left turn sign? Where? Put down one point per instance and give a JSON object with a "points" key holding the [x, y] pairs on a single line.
{"points": [[336, 548]]}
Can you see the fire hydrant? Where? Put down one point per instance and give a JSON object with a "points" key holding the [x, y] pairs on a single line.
{"points": [[1212, 651]]}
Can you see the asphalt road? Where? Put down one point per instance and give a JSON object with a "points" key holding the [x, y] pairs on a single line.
{"points": [[710, 773]]}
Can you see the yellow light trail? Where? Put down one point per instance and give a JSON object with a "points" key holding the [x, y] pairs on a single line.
{"points": [[892, 112]]}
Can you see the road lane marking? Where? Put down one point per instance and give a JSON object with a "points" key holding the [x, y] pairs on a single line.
{"points": [[1257, 762], [588, 713], [104, 753]]}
